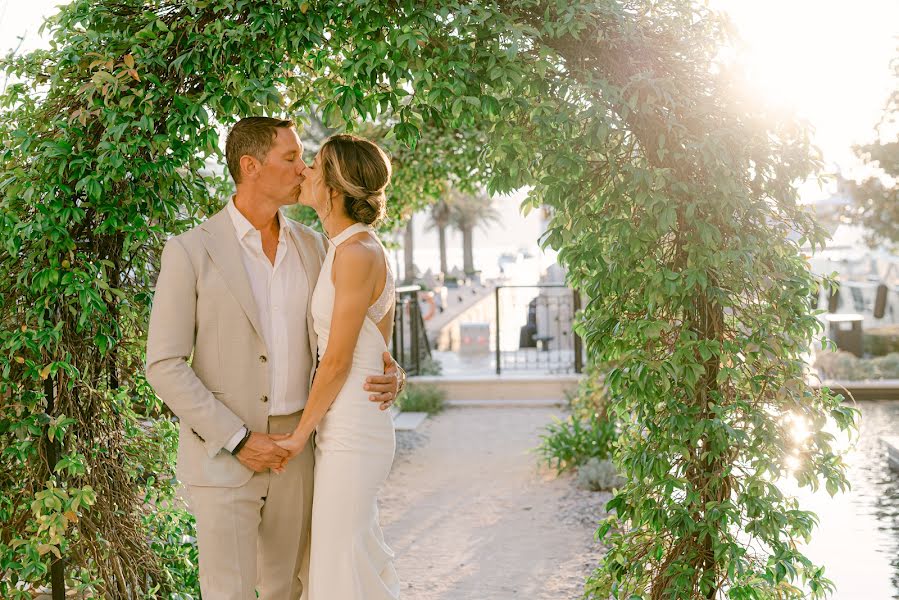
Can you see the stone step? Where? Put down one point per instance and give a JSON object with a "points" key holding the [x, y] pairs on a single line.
{"points": [[409, 421], [502, 388], [519, 403]]}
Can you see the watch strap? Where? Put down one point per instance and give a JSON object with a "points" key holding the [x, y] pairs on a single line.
{"points": [[242, 442]]}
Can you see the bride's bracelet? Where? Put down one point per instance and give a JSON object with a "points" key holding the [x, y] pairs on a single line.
{"points": [[402, 384]]}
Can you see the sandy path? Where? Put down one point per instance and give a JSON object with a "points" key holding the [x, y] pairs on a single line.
{"points": [[471, 517]]}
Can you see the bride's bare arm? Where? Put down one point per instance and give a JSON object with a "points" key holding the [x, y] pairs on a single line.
{"points": [[355, 277]]}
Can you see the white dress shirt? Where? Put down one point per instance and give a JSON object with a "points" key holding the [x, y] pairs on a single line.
{"points": [[281, 292]]}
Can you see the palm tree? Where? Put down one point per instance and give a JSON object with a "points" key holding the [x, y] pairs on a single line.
{"points": [[408, 252], [470, 211], [441, 218]]}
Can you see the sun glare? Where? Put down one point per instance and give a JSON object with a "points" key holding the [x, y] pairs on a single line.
{"points": [[827, 60]]}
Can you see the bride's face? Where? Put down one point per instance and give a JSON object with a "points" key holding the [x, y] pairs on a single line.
{"points": [[313, 192]]}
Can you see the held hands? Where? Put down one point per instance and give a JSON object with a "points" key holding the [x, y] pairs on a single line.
{"points": [[291, 443], [261, 453], [269, 451], [385, 387]]}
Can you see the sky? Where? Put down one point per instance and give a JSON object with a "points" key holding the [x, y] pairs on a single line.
{"points": [[827, 59]]}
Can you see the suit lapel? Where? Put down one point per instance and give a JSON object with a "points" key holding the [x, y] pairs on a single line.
{"points": [[308, 256], [225, 252]]}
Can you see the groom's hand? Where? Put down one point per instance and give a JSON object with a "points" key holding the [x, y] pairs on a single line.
{"points": [[261, 453], [386, 386]]}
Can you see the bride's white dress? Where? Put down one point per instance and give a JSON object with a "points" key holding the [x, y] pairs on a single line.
{"points": [[354, 447]]}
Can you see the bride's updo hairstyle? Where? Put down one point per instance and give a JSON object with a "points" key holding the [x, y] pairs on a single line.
{"points": [[360, 171]]}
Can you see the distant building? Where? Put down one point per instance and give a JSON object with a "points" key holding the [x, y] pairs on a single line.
{"points": [[831, 210]]}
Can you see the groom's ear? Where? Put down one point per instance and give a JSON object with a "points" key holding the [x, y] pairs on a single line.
{"points": [[249, 167]]}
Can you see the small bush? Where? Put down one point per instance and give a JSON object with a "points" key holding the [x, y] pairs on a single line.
{"points": [[429, 366], [571, 443], [588, 433], [599, 475], [590, 397], [417, 398], [888, 366], [880, 341], [847, 366]]}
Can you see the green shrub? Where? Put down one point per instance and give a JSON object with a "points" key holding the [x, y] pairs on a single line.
{"points": [[588, 433], [429, 366], [591, 397], [880, 341], [571, 443], [888, 366], [419, 398], [847, 366]]}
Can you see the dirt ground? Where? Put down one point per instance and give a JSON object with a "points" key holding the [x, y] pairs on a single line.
{"points": [[471, 516]]}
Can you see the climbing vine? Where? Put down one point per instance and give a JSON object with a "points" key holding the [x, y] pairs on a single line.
{"points": [[674, 212]]}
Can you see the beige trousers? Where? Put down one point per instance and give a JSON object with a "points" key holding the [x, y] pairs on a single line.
{"points": [[256, 537]]}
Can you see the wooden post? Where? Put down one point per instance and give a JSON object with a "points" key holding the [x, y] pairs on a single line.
{"points": [[498, 352]]}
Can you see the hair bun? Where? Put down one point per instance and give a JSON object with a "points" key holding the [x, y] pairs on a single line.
{"points": [[360, 171], [369, 209], [376, 199]]}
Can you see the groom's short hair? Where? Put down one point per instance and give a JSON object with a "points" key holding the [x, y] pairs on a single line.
{"points": [[252, 136]]}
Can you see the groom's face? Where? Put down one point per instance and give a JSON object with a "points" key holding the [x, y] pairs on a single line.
{"points": [[281, 173]]}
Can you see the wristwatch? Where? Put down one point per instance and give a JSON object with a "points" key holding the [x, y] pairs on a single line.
{"points": [[242, 442]]}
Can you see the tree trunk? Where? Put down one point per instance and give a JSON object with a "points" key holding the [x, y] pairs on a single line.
{"points": [[441, 234], [468, 250], [408, 250]]}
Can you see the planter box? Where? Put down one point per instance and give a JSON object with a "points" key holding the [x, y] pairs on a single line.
{"points": [[866, 389]]}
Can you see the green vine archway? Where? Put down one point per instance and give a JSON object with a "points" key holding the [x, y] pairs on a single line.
{"points": [[673, 199]]}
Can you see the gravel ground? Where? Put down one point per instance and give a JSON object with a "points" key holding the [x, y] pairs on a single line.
{"points": [[407, 442], [471, 515]]}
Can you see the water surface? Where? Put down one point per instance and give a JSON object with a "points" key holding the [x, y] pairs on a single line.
{"points": [[858, 535]]}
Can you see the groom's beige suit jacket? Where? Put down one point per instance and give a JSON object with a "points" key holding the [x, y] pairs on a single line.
{"points": [[206, 357]]}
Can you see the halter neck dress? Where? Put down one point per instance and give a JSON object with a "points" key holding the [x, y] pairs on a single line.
{"points": [[354, 448]]}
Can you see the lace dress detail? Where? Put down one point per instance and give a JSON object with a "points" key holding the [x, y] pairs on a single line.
{"points": [[377, 311], [381, 306]]}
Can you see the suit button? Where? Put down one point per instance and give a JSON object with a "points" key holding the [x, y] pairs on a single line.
{"points": [[263, 359], [264, 398]]}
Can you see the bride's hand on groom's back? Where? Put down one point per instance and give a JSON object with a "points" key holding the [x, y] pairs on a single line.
{"points": [[261, 453]]}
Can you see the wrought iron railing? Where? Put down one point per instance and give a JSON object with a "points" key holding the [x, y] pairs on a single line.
{"points": [[534, 329], [410, 340]]}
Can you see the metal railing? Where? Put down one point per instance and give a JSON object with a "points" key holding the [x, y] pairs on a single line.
{"points": [[410, 340], [534, 329]]}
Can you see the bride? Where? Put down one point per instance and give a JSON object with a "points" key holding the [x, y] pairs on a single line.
{"points": [[352, 310]]}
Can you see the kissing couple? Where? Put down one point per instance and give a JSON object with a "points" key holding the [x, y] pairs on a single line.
{"points": [[269, 343]]}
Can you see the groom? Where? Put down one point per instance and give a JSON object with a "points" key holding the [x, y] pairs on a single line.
{"points": [[231, 350]]}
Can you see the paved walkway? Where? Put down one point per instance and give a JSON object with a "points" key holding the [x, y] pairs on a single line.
{"points": [[470, 515]]}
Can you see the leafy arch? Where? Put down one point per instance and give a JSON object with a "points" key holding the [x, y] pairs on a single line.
{"points": [[673, 201]]}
